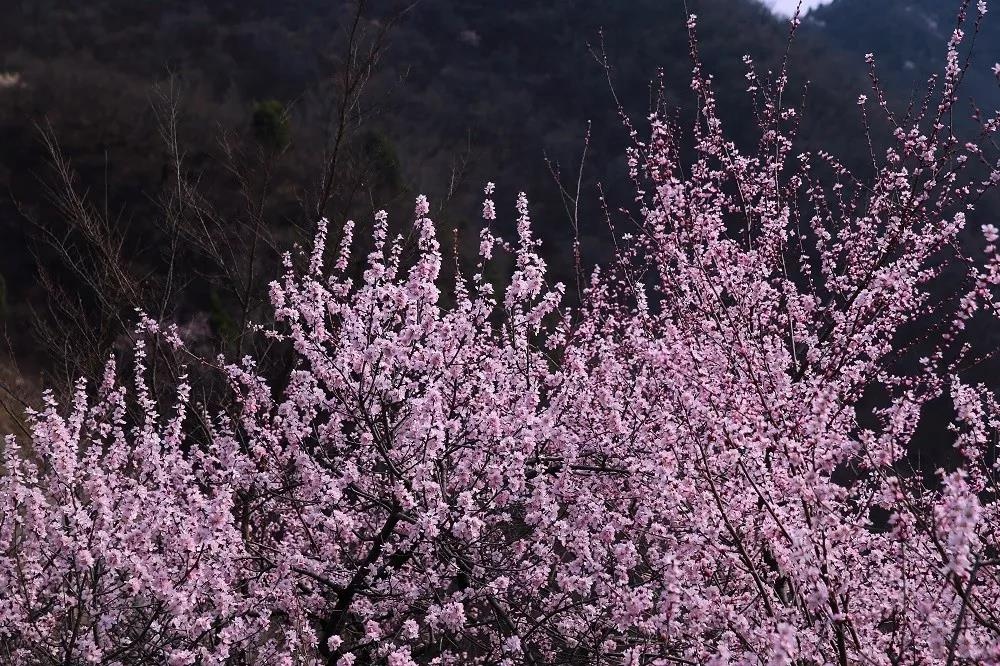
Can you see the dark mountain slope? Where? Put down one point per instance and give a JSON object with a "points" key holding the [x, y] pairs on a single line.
{"points": [[908, 39], [466, 92]]}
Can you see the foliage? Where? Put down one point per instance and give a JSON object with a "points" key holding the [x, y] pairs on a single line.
{"points": [[271, 126], [682, 468], [381, 155]]}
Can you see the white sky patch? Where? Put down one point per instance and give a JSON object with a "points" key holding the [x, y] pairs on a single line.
{"points": [[787, 7]]}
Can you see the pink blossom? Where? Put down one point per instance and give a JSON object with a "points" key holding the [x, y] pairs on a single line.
{"points": [[708, 459]]}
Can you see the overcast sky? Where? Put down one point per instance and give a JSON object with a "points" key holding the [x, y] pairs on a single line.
{"points": [[788, 6]]}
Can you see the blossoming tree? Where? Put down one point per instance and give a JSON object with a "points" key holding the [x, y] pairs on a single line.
{"points": [[688, 466]]}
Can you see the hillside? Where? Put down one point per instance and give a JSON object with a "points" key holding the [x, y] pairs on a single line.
{"points": [[462, 93], [908, 39]]}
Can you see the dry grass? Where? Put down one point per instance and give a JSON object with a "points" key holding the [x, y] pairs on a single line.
{"points": [[17, 391]]}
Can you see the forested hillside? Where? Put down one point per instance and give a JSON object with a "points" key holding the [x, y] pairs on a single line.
{"points": [[457, 94], [906, 37]]}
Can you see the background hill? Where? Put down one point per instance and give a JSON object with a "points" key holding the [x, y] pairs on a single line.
{"points": [[907, 38], [459, 93]]}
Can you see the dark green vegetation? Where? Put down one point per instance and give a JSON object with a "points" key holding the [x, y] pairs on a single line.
{"points": [[160, 155]]}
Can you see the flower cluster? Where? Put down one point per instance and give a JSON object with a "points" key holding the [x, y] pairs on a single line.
{"points": [[708, 460]]}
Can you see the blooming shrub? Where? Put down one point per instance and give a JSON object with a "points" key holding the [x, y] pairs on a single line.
{"points": [[687, 467]]}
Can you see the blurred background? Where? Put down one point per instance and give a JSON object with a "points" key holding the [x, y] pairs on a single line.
{"points": [[161, 155]]}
